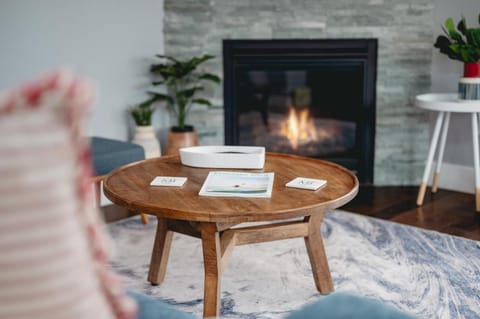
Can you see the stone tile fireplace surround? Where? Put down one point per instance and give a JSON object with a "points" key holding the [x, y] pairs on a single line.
{"points": [[403, 30]]}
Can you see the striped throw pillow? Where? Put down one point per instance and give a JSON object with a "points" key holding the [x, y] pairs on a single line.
{"points": [[53, 254]]}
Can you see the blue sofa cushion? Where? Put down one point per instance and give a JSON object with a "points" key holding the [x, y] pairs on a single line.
{"points": [[334, 306], [108, 154], [346, 306], [149, 308]]}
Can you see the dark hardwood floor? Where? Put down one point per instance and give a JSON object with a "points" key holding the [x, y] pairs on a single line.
{"points": [[446, 211]]}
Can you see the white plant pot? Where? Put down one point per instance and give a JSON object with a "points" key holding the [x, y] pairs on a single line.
{"points": [[145, 137]]}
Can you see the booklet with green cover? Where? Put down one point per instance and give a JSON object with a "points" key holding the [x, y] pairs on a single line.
{"points": [[238, 184]]}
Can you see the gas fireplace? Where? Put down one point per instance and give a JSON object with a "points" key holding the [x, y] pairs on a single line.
{"points": [[313, 98]]}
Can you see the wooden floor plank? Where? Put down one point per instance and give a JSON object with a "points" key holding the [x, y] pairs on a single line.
{"points": [[446, 211]]}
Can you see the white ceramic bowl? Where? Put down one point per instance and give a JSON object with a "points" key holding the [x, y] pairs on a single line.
{"points": [[223, 156]]}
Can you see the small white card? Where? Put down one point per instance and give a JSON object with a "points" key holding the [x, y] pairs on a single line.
{"points": [[307, 183], [168, 181]]}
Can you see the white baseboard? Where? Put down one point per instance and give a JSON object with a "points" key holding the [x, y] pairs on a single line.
{"points": [[456, 178]]}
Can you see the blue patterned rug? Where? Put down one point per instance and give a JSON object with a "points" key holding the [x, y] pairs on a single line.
{"points": [[426, 273]]}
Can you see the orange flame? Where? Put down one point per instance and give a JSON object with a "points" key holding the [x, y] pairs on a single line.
{"points": [[299, 128]]}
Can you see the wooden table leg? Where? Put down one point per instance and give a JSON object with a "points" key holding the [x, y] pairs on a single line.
{"points": [[212, 264], [476, 160], [144, 218], [443, 141], [431, 153], [316, 253], [161, 250]]}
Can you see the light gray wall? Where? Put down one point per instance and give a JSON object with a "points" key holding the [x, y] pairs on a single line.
{"points": [[110, 42], [445, 74]]}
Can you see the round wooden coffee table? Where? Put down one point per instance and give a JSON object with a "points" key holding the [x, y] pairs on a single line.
{"points": [[211, 219]]}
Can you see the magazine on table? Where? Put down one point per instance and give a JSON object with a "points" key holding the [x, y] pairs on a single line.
{"points": [[238, 184]]}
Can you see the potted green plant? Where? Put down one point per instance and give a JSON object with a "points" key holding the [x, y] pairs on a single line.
{"points": [[144, 133], [461, 43], [183, 81], [142, 113]]}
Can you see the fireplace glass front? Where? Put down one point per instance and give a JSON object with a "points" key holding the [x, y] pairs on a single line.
{"points": [[311, 101]]}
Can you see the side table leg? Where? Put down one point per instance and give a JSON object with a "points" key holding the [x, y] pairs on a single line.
{"points": [[476, 160], [212, 264], [161, 250], [144, 218], [431, 153], [443, 140], [316, 253]]}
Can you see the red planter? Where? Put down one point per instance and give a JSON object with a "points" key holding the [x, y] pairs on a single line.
{"points": [[471, 70]]}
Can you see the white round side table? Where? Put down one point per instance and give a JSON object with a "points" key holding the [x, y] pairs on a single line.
{"points": [[444, 104]]}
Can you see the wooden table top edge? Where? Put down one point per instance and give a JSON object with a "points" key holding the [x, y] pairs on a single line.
{"points": [[172, 213]]}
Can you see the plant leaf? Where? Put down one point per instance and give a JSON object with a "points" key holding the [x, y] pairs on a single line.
{"points": [[188, 93], [449, 25], [457, 37], [171, 58], [475, 37], [203, 58], [147, 104], [445, 31], [464, 54], [450, 29], [162, 69], [448, 48], [161, 97], [142, 114], [202, 101], [462, 26], [210, 77], [158, 82], [442, 42]]}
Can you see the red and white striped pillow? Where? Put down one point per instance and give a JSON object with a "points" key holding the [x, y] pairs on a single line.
{"points": [[53, 254]]}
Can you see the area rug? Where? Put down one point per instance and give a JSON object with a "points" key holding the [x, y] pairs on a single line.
{"points": [[428, 274]]}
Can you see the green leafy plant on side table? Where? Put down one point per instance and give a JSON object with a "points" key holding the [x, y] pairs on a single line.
{"points": [[462, 43]]}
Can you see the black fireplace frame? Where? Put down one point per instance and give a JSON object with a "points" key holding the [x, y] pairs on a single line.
{"points": [[236, 52]]}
